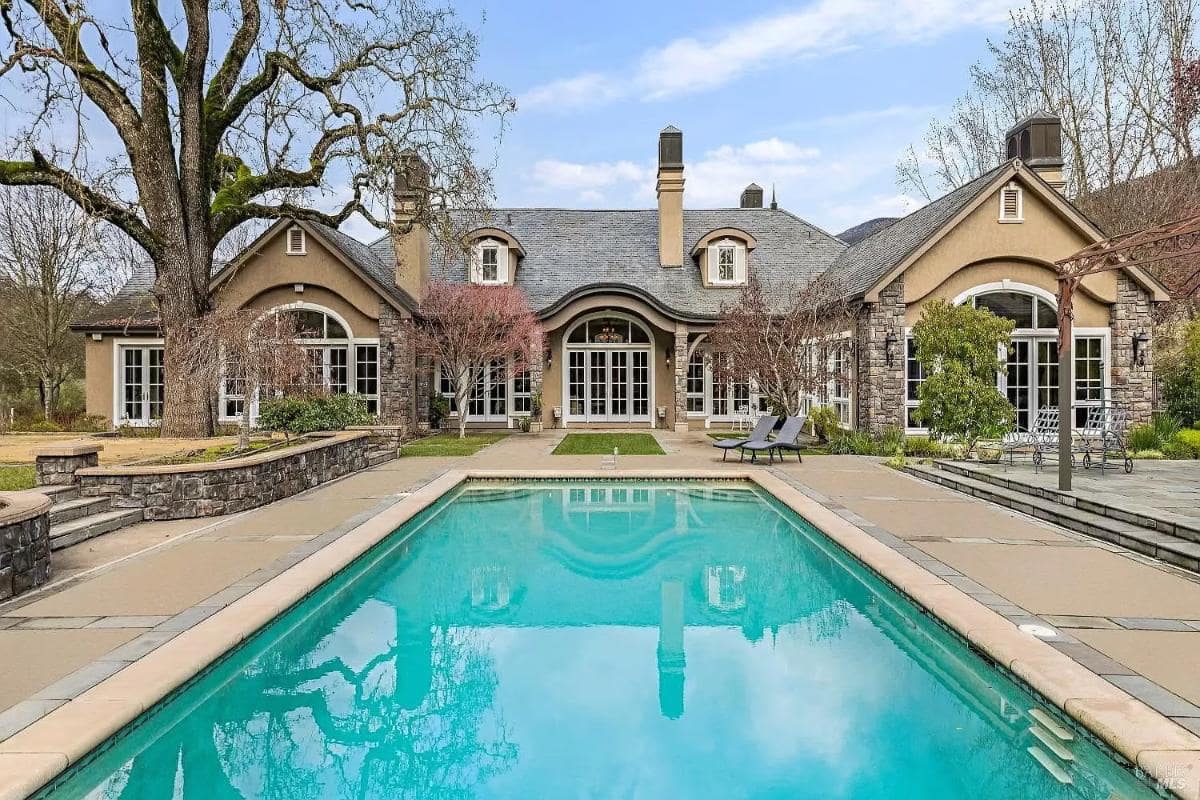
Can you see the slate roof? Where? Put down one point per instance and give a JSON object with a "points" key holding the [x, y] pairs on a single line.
{"points": [[132, 308], [865, 263], [864, 229], [568, 251]]}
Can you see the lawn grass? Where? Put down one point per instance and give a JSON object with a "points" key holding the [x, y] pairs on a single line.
{"points": [[220, 451], [15, 477], [596, 444], [448, 444]]}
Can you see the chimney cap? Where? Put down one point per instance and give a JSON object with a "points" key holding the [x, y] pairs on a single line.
{"points": [[670, 148], [752, 197]]}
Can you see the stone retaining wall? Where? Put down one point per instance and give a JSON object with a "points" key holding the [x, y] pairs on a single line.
{"points": [[55, 465], [24, 542], [205, 490]]}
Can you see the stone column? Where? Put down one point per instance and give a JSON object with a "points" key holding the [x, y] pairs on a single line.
{"points": [[1132, 382], [396, 370], [537, 369], [55, 465], [425, 388], [679, 365], [878, 388]]}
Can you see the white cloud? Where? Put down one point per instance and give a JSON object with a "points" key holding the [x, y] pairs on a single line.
{"points": [[588, 181], [838, 217], [697, 63]]}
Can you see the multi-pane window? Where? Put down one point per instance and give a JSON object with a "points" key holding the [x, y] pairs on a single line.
{"points": [[1089, 375], [490, 259], [447, 388], [576, 381], [725, 263], [497, 389], [839, 385], [522, 396], [142, 384], [366, 374], [233, 390], [695, 383], [914, 376]]}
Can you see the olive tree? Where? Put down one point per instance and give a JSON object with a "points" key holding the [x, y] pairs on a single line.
{"points": [[221, 113]]}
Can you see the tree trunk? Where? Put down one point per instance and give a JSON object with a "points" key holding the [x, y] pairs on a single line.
{"points": [[44, 391], [462, 399], [181, 304]]}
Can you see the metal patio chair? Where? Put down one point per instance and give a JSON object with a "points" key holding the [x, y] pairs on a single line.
{"points": [[1040, 438], [1104, 434]]}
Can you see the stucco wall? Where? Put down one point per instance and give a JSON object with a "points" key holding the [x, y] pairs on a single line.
{"points": [[98, 369], [268, 278]]}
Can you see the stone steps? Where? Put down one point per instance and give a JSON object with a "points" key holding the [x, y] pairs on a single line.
{"points": [[1162, 521], [65, 534], [67, 510], [379, 455], [59, 494], [1147, 541]]}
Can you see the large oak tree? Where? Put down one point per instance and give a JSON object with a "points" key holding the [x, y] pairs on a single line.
{"points": [[222, 113]]}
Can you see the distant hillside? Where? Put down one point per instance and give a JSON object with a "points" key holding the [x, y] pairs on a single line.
{"points": [[864, 229]]}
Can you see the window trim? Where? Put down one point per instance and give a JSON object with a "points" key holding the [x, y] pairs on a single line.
{"points": [[502, 265], [303, 246], [714, 269], [118, 408]]}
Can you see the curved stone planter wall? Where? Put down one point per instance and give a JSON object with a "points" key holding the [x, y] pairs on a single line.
{"points": [[203, 490], [24, 542]]}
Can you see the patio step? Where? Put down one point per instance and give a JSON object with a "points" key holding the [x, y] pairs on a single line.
{"points": [[59, 494], [65, 534], [68, 510], [379, 455], [1156, 544], [1163, 521]]}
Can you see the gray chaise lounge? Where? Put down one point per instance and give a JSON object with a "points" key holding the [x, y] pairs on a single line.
{"points": [[760, 433], [788, 434]]}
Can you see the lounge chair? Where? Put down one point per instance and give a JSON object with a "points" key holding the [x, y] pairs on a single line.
{"points": [[760, 433], [788, 434], [792, 446]]}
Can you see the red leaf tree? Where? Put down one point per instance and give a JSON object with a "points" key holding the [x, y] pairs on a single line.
{"points": [[464, 327]]}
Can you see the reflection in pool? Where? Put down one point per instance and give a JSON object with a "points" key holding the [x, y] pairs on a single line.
{"points": [[602, 639]]}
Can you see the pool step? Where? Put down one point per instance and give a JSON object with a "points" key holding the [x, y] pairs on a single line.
{"points": [[65, 534], [1174, 550]]}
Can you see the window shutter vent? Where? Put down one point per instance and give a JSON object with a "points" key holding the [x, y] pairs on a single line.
{"points": [[295, 240], [1010, 202]]}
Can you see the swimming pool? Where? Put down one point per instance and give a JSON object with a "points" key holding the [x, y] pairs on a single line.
{"points": [[602, 639]]}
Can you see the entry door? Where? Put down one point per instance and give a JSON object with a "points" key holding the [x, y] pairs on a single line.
{"points": [[1017, 381], [598, 385], [618, 386]]}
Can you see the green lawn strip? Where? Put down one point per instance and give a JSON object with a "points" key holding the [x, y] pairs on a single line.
{"points": [[596, 444], [220, 451], [448, 444], [16, 477]]}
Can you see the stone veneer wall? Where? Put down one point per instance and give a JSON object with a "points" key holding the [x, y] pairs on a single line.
{"points": [[679, 366], [191, 490], [396, 371], [1132, 384], [24, 542], [879, 395]]}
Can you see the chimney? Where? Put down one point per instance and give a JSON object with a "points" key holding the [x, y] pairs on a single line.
{"points": [[752, 197], [1037, 141], [670, 197], [411, 237]]}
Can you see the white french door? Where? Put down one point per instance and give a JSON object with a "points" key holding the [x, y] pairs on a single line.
{"points": [[141, 385], [608, 385]]}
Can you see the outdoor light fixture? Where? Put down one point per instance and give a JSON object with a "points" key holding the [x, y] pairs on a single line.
{"points": [[549, 358], [1140, 342], [889, 346]]}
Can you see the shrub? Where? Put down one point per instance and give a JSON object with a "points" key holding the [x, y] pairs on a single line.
{"points": [[1159, 434], [1143, 437], [1190, 438], [924, 447], [957, 346], [852, 443], [824, 420], [44, 426], [1150, 455], [306, 414], [1179, 368]]}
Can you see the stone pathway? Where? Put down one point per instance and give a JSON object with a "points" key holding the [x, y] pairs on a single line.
{"points": [[1124, 616]]}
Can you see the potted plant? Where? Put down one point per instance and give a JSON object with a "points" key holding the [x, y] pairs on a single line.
{"points": [[535, 418]]}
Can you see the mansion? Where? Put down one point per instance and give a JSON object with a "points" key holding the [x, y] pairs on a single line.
{"points": [[627, 298]]}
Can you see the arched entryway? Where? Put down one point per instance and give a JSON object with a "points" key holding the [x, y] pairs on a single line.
{"points": [[608, 374]]}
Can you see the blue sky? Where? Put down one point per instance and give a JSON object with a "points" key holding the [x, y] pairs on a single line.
{"points": [[818, 97]]}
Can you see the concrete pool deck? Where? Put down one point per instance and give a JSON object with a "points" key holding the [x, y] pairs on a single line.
{"points": [[1121, 616]]}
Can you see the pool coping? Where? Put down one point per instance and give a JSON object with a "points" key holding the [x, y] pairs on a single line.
{"points": [[1162, 749]]}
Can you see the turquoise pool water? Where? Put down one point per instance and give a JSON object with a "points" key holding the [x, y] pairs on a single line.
{"points": [[601, 640]]}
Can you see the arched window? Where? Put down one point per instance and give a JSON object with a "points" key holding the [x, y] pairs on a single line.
{"points": [[608, 331], [1026, 310]]}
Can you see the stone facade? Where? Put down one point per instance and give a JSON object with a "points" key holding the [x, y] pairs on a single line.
{"points": [[879, 401], [24, 542], [54, 469], [208, 490], [397, 367], [679, 362], [1132, 379]]}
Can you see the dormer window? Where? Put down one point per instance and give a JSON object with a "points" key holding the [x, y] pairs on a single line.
{"points": [[490, 262], [295, 241], [1011, 203], [727, 263]]}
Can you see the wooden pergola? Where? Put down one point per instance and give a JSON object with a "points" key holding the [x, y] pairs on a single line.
{"points": [[1140, 248]]}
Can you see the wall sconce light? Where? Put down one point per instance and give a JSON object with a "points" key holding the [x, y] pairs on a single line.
{"points": [[548, 358], [1141, 342], [390, 349], [668, 350], [889, 347]]}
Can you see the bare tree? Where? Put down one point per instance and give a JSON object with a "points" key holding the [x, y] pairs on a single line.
{"points": [[50, 272], [229, 112], [248, 350], [463, 328], [784, 348], [1105, 67]]}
